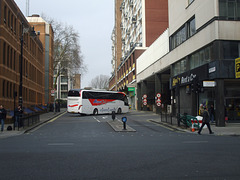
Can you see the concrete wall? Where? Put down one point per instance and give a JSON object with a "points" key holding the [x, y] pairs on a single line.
{"points": [[156, 51]]}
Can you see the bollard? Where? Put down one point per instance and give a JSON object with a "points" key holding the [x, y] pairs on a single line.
{"points": [[113, 115], [124, 120]]}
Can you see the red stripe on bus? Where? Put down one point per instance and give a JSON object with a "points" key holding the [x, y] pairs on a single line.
{"points": [[73, 105], [98, 102]]}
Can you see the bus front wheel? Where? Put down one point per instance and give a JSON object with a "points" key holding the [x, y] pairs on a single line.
{"points": [[95, 112]]}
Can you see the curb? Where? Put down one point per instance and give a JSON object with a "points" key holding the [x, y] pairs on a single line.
{"points": [[118, 126], [172, 128], [43, 122]]}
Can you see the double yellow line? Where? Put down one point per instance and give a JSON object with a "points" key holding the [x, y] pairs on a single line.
{"points": [[57, 117]]}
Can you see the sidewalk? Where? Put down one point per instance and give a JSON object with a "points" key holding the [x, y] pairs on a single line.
{"points": [[231, 129], [43, 119]]}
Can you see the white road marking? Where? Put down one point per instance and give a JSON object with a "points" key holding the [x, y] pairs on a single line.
{"points": [[194, 142], [96, 119], [60, 144]]}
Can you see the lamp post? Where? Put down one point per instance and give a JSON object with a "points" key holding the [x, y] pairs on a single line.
{"points": [[32, 34]]}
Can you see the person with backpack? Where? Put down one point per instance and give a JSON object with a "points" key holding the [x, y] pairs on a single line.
{"points": [[3, 114]]}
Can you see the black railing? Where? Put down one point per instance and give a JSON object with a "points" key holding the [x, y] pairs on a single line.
{"points": [[27, 120]]}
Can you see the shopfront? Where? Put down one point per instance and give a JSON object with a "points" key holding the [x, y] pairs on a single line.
{"points": [[131, 97], [212, 84], [232, 101]]}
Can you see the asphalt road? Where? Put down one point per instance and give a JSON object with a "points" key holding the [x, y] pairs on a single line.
{"points": [[86, 147]]}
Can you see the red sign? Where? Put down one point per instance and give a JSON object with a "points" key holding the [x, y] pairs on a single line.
{"points": [[158, 99], [144, 99]]}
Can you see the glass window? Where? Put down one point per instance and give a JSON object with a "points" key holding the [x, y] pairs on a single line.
{"points": [[179, 37], [192, 27], [207, 54], [179, 67], [64, 94], [176, 69], [200, 57], [64, 79], [194, 60], [230, 50], [183, 66], [190, 1], [238, 9], [229, 9], [64, 87]]}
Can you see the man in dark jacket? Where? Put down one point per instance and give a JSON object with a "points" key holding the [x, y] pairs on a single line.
{"points": [[205, 120], [3, 114], [18, 114]]}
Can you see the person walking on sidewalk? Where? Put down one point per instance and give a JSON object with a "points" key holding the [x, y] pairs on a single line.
{"points": [[205, 120], [3, 114]]}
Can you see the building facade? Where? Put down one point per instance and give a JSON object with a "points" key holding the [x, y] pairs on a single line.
{"points": [[138, 23], [45, 33], [14, 27], [204, 41], [65, 83]]}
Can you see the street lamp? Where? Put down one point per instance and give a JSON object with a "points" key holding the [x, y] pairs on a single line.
{"points": [[32, 34]]}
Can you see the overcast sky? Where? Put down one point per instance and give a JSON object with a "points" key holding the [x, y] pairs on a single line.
{"points": [[93, 19]]}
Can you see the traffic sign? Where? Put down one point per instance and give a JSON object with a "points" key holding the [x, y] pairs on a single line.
{"points": [[124, 119], [52, 92]]}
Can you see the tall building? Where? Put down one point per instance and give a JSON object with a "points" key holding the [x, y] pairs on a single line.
{"points": [[198, 63], [65, 82], [138, 23], [45, 34], [14, 27]]}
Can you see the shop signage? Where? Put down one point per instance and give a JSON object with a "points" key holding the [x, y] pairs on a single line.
{"points": [[237, 67], [183, 80], [131, 88], [188, 77], [209, 83], [211, 70], [175, 81]]}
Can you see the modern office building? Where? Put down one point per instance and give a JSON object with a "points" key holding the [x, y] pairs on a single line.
{"points": [[14, 27], [65, 83], [138, 23], [204, 42]]}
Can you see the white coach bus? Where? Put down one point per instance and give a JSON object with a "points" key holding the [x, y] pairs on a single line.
{"points": [[96, 102]]}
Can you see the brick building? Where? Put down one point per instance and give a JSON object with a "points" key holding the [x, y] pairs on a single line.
{"points": [[14, 26], [138, 23]]}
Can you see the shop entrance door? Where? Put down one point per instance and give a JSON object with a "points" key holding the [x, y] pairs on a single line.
{"points": [[233, 109]]}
